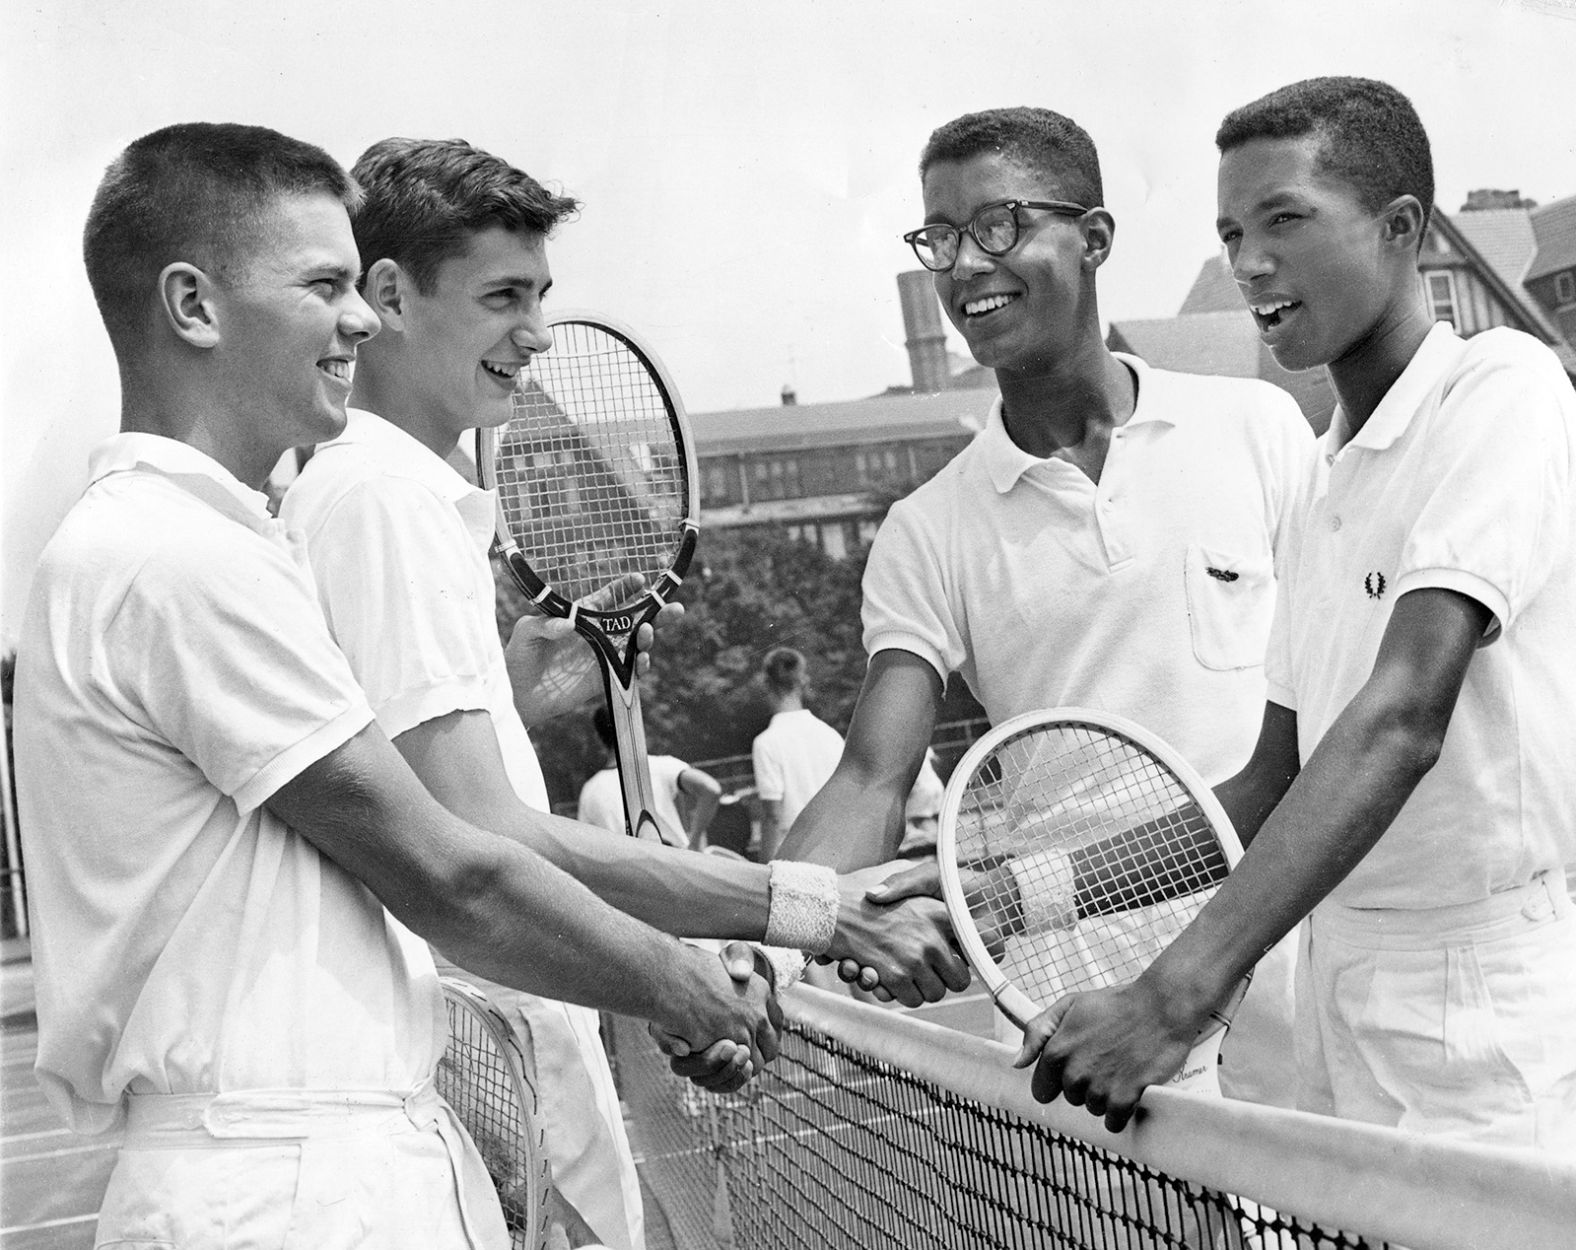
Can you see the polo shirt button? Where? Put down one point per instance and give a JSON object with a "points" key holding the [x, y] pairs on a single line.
{"points": [[1335, 523], [1329, 458]]}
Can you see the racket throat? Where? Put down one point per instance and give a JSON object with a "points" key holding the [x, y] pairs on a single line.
{"points": [[634, 772]]}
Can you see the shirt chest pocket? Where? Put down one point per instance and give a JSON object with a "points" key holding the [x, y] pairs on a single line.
{"points": [[1230, 605]]}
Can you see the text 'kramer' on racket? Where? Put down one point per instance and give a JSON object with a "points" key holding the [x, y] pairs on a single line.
{"points": [[596, 486], [1073, 845]]}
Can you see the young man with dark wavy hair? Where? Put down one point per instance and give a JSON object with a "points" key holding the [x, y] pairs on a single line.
{"points": [[454, 241]]}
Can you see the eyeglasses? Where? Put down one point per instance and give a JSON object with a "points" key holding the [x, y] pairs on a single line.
{"points": [[995, 228]]}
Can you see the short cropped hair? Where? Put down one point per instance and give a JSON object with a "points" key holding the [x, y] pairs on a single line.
{"points": [[193, 192], [783, 670], [1038, 139], [1370, 135], [423, 199]]}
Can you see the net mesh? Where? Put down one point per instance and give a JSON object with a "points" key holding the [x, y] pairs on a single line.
{"points": [[1065, 822], [474, 1077], [834, 1147], [590, 473]]}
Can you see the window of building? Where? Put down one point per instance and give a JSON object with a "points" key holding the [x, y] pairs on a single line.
{"points": [[716, 482], [1442, 295], [1565, 288]]}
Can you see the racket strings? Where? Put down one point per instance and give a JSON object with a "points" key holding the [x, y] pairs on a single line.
{"points": [[590, 474], [1082, 855], [475, 1078]]}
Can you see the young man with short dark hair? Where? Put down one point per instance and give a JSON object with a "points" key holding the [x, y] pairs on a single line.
{"points": [[1109, 540], [1411, 790], [228, 863]]}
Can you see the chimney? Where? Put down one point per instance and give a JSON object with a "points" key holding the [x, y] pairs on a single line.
{"points": [[927, 341], [790, 396]]}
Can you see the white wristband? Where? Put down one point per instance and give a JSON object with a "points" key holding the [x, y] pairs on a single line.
{"points": [[1047, 890], [802, 912], [787, 966]]}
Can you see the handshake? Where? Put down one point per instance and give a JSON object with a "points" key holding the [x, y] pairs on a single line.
{"points": [[881, 925]]}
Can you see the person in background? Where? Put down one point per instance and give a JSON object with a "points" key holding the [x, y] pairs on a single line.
{"points": [[795, 754], [673, 782]]}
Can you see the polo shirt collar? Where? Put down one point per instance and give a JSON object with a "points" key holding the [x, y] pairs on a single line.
{"points": [[1436, 355], [400, 451], [1006, 462], [194, 471]]}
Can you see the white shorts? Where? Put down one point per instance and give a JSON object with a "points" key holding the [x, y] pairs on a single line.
{"points": [[282, 1170], [1455, 1021]]}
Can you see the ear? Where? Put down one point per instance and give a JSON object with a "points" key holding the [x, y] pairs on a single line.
{"points": [[1403, 223], [1099, 232], [186, 299], [385, 288]]}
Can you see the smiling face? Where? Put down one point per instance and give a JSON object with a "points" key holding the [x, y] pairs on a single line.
{"points": [[291, 320], [1025, 311], [467, 339], [1311, 261]]}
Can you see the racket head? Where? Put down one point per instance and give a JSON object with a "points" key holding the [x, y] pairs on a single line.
{"points": [[482, 1076], [1030, 794], [594, 473]]}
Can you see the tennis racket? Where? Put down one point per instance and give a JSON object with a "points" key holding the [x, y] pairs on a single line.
{"points": [[1073, 845], [595, 480], [482, 1076]]}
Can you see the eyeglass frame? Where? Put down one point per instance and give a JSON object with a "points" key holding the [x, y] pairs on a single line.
{"points": [[1063, 208]]}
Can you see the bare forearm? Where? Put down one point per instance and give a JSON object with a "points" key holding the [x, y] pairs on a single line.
{"points": [[1340, 804], [852, 822], [687, 895], [702, 811], [492, 906]]}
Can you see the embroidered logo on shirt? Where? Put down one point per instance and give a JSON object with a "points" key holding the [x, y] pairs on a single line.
{"points": [[1221, 575], [1374, 584]]}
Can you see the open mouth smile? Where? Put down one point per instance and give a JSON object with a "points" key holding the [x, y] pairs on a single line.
{"points": [[504, 373], [1270, 313], [986, 304]]}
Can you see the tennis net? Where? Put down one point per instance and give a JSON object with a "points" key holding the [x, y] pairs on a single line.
{"points": [[876, 1129]]}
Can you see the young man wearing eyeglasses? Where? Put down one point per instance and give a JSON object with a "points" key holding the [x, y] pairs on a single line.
{"points": [[1108, 541]]}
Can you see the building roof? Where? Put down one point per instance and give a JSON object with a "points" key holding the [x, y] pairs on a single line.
{"points": [[1223, 344], [1554, 225], [1214, 290], [790, 427], [1503, 238]]}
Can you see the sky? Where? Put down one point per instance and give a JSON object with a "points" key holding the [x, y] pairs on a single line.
{"points": [[747, 170]]}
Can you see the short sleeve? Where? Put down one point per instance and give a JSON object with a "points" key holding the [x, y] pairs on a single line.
{"points": [[221, 651], [400, 596], [1290, 474], [768, 770], [1280, 684], [905, 604], [1499, 462]]}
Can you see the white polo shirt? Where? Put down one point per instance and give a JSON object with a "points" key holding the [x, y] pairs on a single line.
{"points": [[1464, 478], [1149, 594], [173, 673], [602, 797], [793, 757], [399, 541]]}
